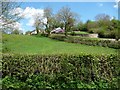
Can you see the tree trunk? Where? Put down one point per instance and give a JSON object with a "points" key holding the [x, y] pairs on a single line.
{"points": [[65, 29], [37, 30]]}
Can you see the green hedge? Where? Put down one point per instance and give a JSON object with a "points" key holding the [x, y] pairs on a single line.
{"points": [[109, 34], [60, 71], [88, 41]]}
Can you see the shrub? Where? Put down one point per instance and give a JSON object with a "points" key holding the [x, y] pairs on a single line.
{"points": [[60, 71], [58, 37], [12, 83], [107, 34], [41, 35], [101, 33], [5, 49], [93, 30], [73, 33], [44, 34], [88, 41]]}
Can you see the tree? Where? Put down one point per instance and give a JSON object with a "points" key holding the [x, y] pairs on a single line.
{"points": [[38, 21], [104, 22], [57, 23], [92, 26], [50, 20], [46, 21], [8, 17], [81, 26], [67, 17], [16, 32], [103, 17], [116, 28], [27, 33], [109, 28]]}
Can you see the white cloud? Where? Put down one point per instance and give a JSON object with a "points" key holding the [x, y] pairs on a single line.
{"points": [[17, 11], [111, 18], [115, 6], [13, 25], [30, 22], [117, 0], [29, 14], [116, 3], [100, 4], [17, 25]]}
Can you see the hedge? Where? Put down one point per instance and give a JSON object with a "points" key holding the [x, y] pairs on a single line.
{"points": [[88, 41], [60, 71]]}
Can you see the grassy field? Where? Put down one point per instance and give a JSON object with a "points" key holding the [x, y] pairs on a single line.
{"points": [[24, 44], [79, 32]]}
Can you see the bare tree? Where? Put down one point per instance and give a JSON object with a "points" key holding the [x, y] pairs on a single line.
{"points": [[44, 21], [102, 17], [66, 16], [103, 20], [7, 16], [37, 22], [49, 16]]}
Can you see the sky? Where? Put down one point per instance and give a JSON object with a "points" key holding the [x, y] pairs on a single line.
{"points": [[86, 11]]}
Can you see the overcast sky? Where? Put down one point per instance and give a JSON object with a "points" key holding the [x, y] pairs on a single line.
{"points": [[86, 10]]}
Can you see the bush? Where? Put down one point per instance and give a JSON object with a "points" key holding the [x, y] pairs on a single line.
{"points": [[60, 71], [93, 30], [12, 83], [88, 41], [58, 37], [73, 33], [44, 35], [4, 48], [107, 34], [101, 33], [41, 35]]}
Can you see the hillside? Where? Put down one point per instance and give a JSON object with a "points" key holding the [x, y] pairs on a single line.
{"points": [[24, 44]]}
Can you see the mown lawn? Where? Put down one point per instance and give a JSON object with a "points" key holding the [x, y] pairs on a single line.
{"points": [[23, 44], [79, 32]]}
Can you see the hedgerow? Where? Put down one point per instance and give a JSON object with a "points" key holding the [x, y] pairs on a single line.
{"points": [[60, 71], [87, 41]]}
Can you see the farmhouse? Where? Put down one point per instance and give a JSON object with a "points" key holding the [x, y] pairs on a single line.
{"points": [[57, 30], [34, 32]]}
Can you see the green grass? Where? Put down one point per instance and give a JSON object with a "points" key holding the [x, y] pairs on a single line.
{"points": [[23, 44], [79, 32]]}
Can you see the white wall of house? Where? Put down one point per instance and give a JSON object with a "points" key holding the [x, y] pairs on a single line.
{"points": [[34, 32]]}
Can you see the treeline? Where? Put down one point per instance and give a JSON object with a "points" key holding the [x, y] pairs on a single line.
{"points": [[64, 18], [104, 25]]}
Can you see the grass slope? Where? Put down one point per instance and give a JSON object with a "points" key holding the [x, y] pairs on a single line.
{"points": [[41, 45]]}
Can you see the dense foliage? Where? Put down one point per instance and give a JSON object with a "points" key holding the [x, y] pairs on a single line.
{"points": [[60, 71], [105, 27], [88, 41]]}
